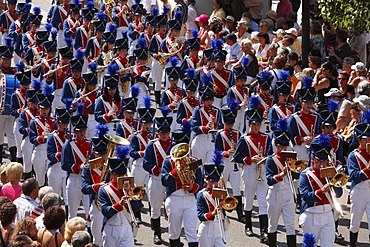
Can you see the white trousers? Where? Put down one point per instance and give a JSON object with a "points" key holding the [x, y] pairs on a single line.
{"points": [[96, 217], [209, 234], [118, 236], [60, 39], [219, 102], [302, 151], [39, 161], [360, 202], [27, 148], [156, 192], [181, 206], [141, 176], [202, 147], [75, 196], [280, 202], [157, 75], [6, 128], [232, 176], [91, 126], [239, 120], [252, 187], [18, 138], [321, 223], [57, 179], [57, 102]]}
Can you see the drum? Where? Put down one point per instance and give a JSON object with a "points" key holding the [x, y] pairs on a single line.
{"points": [[8, 85]]}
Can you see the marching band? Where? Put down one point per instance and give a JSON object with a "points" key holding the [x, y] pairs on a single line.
{"points": [[83, 119]]}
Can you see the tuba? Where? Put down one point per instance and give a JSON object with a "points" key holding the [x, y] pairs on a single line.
{"points": [[180, 155]]}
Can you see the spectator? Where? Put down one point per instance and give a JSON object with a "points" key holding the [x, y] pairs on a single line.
{"points": [[42, 192], [283, 8], [292, 32], [273, 49], [264, 28], [280, 22], [271, 15], [317, 40], [255, 8], [357, 42], [262, 47], [54, 219], [347, 64], [252, 67], [218, 10], [192, 14], [73, 225], [343, 79], [292, 59], [314, 62], [26, 202], [202, 21], [80, 239], [342, 49], [233, 49], [23, 241], [230, 24], [3, 177], [292, 16], [242, 28], [288, 42], [4, 199], [26, 226], [358, 74], [14, 173], [49, 200], [8, 211], [324, 79]]}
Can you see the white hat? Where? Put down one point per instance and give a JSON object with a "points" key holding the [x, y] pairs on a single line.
{"points": [[363, 101], [292, 31], [359, 66], [333, 92]]}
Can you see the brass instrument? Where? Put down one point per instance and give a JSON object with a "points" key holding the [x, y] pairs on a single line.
{"points": [[47, 127], [312, 135], [98, 163], [297, 166], [229, 202], [163, 57], [85, 161], [290, 160], [107, 57], [109, 4], [212, 131], [260, 164], [115, 120]]}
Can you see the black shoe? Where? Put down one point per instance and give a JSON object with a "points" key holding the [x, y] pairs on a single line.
{"points": [[241, 219], [264, 238], [272, 239], [248, 231], [157, 240], [353, 239], [338, 237]]}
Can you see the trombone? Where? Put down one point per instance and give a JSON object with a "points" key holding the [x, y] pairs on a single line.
{"points": [[260, 163], [219, 196], [296, 166]]}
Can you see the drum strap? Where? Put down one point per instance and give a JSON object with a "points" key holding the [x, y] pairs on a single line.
{"points": [[20, 97], [72, 84]]}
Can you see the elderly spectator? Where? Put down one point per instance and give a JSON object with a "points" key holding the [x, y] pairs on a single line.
{"points": [[218, 11], [8, 212], [283, 8], [49, 200], [347, 64], [14, 173], [26, 226], [73, 225], [42, 192], [26, 202], [230, 24], [50, 236], [242, 28], [252, 67], [80, 239]]}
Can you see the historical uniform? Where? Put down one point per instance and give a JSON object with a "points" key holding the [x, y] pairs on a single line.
{"points": [[59, 15], [254, 145], [29, 38], [93, 47], [84, 31], [122, 61], [73, 21], [6, 18]]}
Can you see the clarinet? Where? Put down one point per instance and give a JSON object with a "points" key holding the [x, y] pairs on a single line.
{"points": [[267, 122], [233, 147]]}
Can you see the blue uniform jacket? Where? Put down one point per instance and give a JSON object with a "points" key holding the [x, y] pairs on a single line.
{"points": [[357, 170], [23, 125], [15, 105], [204, 209], [314, 120], [69, 162], [199, 122], [53, 153], [17, 38], [272, 172], [151, 161], [36, 133]]}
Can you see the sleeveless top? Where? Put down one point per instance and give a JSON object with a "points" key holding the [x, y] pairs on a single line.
{"points": [[48, 242], [320, 98], [252, 69]]}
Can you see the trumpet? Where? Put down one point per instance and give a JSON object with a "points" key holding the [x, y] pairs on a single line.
{"points": [[47, 127], [98, 163], [163, 57], [260, 164]]}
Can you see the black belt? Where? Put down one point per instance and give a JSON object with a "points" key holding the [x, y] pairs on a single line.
{"points": [[220, 96]]}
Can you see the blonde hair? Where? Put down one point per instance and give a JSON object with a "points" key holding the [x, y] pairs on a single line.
{"points": [[73, 225], [3, 177], [14, 171], [246, 43], [307, 72]]}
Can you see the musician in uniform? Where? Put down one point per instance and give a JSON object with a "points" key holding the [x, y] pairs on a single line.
{"points": [[29, 38], [180, 201], [137, 11], [122, 17], [221, 78], [208, 213], [358, 170], [154, 154], [122, 61], [280, 200], [282, 108], [7, 17], [206, 120], [6, 52], [40, 127], [305, 123], [75, 155], [93, 177], [188, 103], [172, 96], [93, 47], [74, 83], [128, 125], [50, 60], [250, 151], [192, 59], [25, 117], [317, 198], [117, 229], [84, 31], [72, 22], [154, 47], [59, 15], [238, 95], [225, 142], [108, 105], [54, 144]]}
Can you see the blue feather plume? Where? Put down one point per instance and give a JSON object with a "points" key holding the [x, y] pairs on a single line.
{"points": [[90, 5], [217, 44], [124, 34], [36, 84], [137, 2], [68, 103], [233, 104], [254, 102], [165, 10], [28, 1], [48, 27], [324, 141], [76, 2], [141, 43], [206, 80], [135, 90], [309, 240], [101, 16], [165, 110], [147, 101], [190, 73], [112, 27], [194, 33], [8, 42], [122, 153], [367, 117], [284, 76], [155, 11], [178, 15], [245, 61], [54, 33], [333, 105], [186, 127], [79, 54], [218, 158], [112, 69], [80, 108], [20, 66], [93, 67], [265, 75], [173, 61], [307, 82], [48, 89], [36, 10], [282, 124], [101, 130], [69, 42]]}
